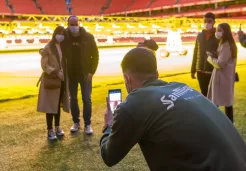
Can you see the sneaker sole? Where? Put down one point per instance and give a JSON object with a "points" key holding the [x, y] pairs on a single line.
{"points": [[74, 130], [88, 133], [52, 138], [60, 134]]}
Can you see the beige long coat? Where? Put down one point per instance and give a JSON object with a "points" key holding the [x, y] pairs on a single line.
{"points": [[48, 99], [221, 88]]}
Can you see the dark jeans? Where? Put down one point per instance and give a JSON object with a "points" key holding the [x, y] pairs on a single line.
{"points": [[203, 80], [86, 88], [50, 116]]}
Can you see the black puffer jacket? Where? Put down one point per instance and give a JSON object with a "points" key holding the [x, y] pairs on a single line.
{"points": [[199, 62], [88, 52]]}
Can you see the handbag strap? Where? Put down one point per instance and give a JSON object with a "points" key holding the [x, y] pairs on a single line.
{"points": [[39, 80]]}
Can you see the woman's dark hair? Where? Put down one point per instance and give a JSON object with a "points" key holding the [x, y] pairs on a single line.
{"points": [[227, 36], [151, 44], [58, 30]]}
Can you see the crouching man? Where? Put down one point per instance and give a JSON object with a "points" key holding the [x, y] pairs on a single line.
{"points": [[176, 127]]}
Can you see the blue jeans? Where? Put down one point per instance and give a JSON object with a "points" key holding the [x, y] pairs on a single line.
{"points": [[86, 88]]}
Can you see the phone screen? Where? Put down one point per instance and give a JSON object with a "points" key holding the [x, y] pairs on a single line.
{"points": [[114, 98]]}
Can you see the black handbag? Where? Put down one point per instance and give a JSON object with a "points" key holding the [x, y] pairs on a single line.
{"points": [[236, 77]]}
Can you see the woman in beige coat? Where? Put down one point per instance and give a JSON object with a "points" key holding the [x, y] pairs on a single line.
{"points": [[51, 97], [221, 89]]}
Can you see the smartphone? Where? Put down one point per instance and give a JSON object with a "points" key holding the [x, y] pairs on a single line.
{"points": [[115, 98]]}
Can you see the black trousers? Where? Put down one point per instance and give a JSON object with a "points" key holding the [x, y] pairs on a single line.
{"points": [[50, 116], [229, 112], [204, 80]]}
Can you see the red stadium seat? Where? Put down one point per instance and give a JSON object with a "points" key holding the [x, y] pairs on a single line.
{"points": [[24, 7], [187, 1], [85, 7], [118, 6], [138, 4], [57, 7], [3, 7], [160, 3]]}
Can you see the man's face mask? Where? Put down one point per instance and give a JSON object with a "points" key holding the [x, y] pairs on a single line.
{"points": [[208, 26], [208, 23], [73, 29]]}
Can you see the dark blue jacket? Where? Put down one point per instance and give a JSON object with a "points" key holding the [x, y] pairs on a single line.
{"points": [[177, 128]]}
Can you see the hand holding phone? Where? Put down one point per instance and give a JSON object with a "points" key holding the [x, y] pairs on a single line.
{"points": [[108, 116], [115, 98], [213, 54], [112, 101], [208, 53]]}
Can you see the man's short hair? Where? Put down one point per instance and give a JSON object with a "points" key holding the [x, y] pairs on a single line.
{"points": [[72, 17], [210, 15], [139, 61]]}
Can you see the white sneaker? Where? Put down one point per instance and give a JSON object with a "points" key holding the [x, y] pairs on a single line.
{"points": [[59, 131], [51, 135], [75, 127], [88, 130]]}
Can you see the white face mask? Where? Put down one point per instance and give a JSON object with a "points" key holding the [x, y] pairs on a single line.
{"points": [[74, 29], [59, 37], [208, 26], [218, 35]]}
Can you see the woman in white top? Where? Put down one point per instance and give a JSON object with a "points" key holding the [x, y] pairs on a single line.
{"points": [[53, 92], [221, 89]]}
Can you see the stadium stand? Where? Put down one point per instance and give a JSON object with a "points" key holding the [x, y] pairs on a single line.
{"points": [[24, 7], [51, 7], [153, 5], [118, 6], [201, 12], [4, 8], [135, 8], [85, 7]]}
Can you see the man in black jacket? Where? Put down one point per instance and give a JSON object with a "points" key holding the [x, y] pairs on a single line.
{"points": [[176, 127], [205, 42], [81, 53]]}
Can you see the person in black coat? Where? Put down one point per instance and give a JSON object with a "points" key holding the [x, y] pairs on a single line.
{"points": [[82, 57]]}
